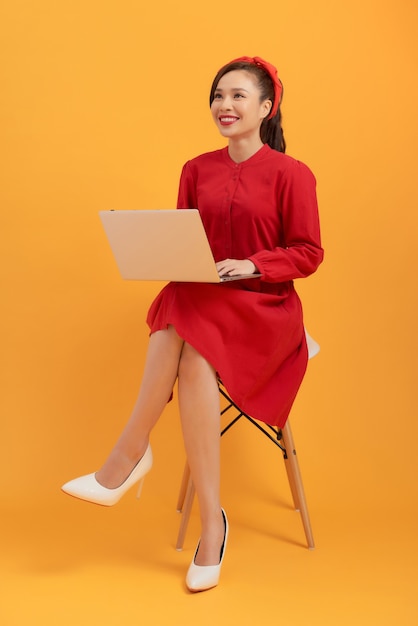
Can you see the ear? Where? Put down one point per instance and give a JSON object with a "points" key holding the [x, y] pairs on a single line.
{"points": [[266, 108]]}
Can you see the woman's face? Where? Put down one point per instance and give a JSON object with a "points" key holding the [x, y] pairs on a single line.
{"points": [[236, 108]]}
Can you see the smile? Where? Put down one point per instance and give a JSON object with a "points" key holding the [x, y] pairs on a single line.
{"points": [[227, 120]]}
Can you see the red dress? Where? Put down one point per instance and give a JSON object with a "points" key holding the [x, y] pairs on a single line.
{"points": [[251, 331]]}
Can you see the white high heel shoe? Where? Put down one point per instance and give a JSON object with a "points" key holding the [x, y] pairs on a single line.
{"points": [[87, 488], [202, 577]]}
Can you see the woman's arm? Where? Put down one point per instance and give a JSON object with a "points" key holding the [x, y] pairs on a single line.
{"points": [[300, 253]]}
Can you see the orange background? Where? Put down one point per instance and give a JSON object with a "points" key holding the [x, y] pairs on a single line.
{"points": [[101, 104]]}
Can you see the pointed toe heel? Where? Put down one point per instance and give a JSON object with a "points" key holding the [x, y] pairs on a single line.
{"points": [[203, 577], [89, 489]]}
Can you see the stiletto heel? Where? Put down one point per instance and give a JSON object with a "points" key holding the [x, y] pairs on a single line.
{"points": [[87, 488], [140, 485], [202, 577]]}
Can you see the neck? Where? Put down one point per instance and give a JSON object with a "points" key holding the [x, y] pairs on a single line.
{"points": [[241, 150]]}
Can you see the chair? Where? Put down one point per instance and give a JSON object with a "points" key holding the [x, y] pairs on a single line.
{"points": [[281, 437]]}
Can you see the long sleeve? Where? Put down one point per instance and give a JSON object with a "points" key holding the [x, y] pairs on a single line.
{"points": [[300, 251], [187, 198]]}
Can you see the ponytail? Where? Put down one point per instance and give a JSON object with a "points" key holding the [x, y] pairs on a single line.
{"points": [[271, 132]]}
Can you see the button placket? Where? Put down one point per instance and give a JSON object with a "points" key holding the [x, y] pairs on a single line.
{"points": [[230, 193]]}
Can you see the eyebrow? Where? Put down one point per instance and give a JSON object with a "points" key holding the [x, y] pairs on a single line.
{"points": [[233, 89]]}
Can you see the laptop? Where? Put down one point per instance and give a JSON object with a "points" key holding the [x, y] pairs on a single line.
{"points": [[163, 244]]}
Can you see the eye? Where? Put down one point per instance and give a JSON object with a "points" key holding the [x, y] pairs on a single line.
{"points": [[217, 96], [239, 95]]}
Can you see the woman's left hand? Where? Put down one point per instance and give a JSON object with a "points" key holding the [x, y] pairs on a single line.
{"points": [[235, 267]]}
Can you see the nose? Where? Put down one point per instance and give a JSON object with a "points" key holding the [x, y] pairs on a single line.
{"points": [[226, 103]]}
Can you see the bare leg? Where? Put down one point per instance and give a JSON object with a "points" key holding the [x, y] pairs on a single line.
{"points": [[160, 373], [168, 357], [200, 417]]}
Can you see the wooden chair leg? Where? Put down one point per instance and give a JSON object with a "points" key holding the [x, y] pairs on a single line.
{"points": [[183, 488], [186, 497], [295, 482], [288, 444]]}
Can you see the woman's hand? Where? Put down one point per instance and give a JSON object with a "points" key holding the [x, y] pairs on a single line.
{"points": [[234, 267]]}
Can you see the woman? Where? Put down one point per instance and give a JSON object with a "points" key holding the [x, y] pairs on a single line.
{"points": [[259, 210]]}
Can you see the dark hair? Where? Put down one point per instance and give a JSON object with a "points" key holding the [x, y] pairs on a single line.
{"points": [[271, 131]]}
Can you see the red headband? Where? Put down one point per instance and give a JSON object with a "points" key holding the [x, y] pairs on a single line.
{"points": [[272, 72]]}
